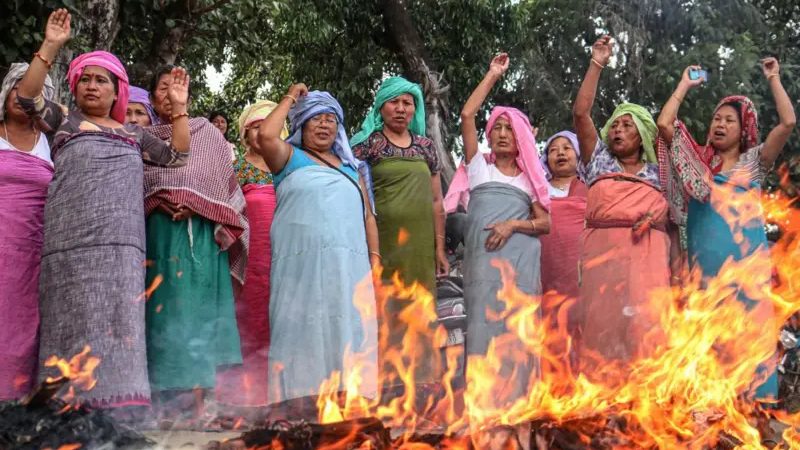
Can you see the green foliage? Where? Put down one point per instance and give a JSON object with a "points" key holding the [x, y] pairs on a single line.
{"points": [[343, 46]]}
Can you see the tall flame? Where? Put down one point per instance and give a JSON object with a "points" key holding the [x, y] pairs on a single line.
{"points": [[693, 389]]}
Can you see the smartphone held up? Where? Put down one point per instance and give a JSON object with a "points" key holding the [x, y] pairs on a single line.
{"points": [[696, 74]]}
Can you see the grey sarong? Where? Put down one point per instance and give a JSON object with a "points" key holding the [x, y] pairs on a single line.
{"points": [[490, 203], [92, 276]]}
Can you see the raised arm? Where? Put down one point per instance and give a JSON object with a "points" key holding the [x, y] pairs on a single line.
{"points": [[666, 120], [469, 132], [56, 34], [178, 94], [778, 136], [272, 148], [582, 109]]}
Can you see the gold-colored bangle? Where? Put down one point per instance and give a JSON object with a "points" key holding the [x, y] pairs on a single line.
{"points": [[771, 76], [598, 63], [291, 97], [377, 254], [175, 117], [533, 224], [44, 60]]}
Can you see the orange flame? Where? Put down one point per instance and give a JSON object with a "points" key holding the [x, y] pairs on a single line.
{"points": [[692, 388]]}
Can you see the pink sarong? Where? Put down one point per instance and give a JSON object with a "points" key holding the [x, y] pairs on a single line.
{"points": [[561, 247], [246, 385], [23, 190], [625, 256]]}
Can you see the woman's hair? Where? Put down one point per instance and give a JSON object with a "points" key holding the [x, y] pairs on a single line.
{"points": [[160, 71], [215, 114], [735, 105]]}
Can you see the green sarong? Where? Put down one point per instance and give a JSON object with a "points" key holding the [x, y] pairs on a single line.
{"points": [[191, 322], [404, 204]]}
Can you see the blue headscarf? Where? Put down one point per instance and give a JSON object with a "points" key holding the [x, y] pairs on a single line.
{"points": [[314, 104], [320, 102]]}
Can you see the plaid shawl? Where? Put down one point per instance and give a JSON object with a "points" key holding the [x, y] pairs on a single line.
{"points": [[207, 185], [687, 169]]}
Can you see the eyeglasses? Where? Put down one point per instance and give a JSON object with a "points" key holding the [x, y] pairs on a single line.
{"points": [[319, 120]]}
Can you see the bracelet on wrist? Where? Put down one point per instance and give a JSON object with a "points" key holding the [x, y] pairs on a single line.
{"points": [[44, 60], [771, 76], [175, 117], [294, 100], [680, 100], [376, 254], [597, 63]]}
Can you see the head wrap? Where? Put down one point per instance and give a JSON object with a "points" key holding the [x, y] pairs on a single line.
{"points": [[527, 160], [109, 62], [391, 88], [573, 139], [645, 124], [15, 73], [139, 95], [253, 113], [314, 104], [748, 121]]}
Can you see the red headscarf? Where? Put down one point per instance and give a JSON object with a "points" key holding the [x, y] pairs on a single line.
{"points": [[109, 62], [748, 119]]}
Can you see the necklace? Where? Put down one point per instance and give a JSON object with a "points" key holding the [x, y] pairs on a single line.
{"points": [[35, 140]]}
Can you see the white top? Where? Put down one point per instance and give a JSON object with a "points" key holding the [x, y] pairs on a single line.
{"points": [[479, 172], [40, 150], [556, 192]]}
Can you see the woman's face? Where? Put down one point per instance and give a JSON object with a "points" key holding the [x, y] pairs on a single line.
{"points": [[137, 115], [160, 99], [623, 137], [95, 92], [319, 132], [12, 108], [251, 135], [561, 158], [726, 130], [502, 138], [220, 123], [398, 112]]}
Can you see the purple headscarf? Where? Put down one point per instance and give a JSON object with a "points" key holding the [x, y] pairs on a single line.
{"points": [[139, 95], [573, 139]]}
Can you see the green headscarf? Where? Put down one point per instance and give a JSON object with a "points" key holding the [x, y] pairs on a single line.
{"points": [[391, 88], [644, 123]]}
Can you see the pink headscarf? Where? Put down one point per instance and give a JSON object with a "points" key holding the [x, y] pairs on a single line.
{"points": [[109, 62], [527, 160]]}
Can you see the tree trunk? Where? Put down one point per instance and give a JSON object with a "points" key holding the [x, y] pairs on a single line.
{"points": [[405, 42], [101, 23], [166, 44]]}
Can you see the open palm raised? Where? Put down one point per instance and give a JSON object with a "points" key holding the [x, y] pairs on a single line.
{"points": [[178, 92], [57, 29]]}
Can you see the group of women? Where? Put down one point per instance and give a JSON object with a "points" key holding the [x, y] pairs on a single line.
{"points": [[136, 235]]}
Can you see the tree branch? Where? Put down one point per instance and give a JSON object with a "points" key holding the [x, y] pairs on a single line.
{"points": [[211, 7]]}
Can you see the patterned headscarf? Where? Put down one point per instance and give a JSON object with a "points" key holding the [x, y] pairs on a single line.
{"points": [[391, 88], [15, 73], [645, 124], [139, 95], [109, 62], [573, 139], [253, 113], [748, 120], [314, 104]]}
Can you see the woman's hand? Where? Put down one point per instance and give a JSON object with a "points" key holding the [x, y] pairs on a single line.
{"points": [[499, 65], [442, 264], [602, 50], [296, 91], [57, 30], [500, 233], [178, 91], [770, 67], [687, 81]]}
